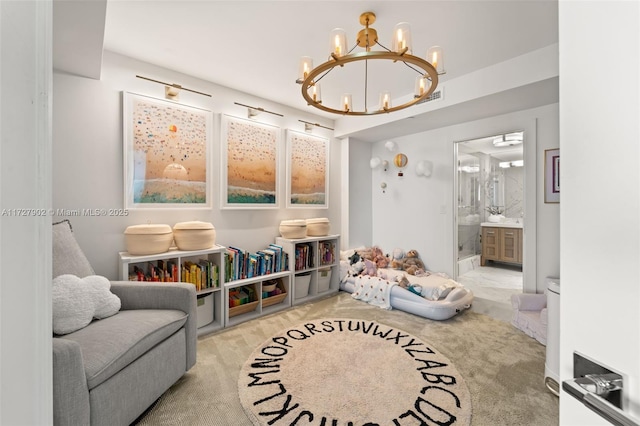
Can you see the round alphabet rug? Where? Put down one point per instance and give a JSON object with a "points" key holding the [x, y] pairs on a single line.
{"points": [[351, 372]]}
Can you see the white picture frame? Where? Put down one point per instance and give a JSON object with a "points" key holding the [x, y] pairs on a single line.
{"points": [[307, 170], [166, 153], [250, 165]]}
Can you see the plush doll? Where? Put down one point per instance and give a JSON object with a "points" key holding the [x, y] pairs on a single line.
{"points": [[403, 282], [365, 253], [356, 268], [397, 258], [354, 258], [370, 268], [379, 258], [412, 264]]}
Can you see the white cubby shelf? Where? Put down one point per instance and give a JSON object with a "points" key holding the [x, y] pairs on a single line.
{"points": [[129, 263], [315, 260]]}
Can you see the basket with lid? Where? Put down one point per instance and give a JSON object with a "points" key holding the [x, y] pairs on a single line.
{"points": [[296, 228], [318, 227], [148, 239], [194, 235]]}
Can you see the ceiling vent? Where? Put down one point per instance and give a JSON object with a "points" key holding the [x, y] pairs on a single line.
{"points": [[437, 95]]}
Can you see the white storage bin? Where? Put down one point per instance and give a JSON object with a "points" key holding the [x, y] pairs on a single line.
{"points": [[324, 279], [302, 286], [318, 227], [204, 311]]}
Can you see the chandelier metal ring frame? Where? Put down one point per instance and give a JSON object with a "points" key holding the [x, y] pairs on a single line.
{"points": [[367, 37], [428, 69]]}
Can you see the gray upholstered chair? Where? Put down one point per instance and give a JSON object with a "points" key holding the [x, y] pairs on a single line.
{"points": [[111, 371]]}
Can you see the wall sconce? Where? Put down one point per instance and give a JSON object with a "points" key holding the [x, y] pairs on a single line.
{"points": [[172, 92], [400, 161], [376, 162], [424, 168], [308, 126], [252, 112]]}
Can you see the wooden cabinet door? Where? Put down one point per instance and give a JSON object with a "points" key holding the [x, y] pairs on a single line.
{"points": [[520, 246], [490, 244], [509, 249]]}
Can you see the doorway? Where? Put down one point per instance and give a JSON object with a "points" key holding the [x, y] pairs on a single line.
{"points": [[490, 196]]}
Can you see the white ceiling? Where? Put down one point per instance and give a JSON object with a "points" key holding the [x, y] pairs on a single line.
{"points": [[255, 46]]}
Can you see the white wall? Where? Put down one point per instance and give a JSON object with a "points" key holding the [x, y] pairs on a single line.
{"points": [[360, 195], [418, 212], [25, 226], [88, 164], [600, 195]]}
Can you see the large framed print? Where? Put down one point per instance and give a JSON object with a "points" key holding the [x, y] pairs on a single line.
{"points": [[250, 177], [552, 175], [307, 170], [167, 151]]}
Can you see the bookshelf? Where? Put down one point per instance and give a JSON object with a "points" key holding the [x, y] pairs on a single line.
{"points": [[314, 263], [198, 267], [258, 302]]}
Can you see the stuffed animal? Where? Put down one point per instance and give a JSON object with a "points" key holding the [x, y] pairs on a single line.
{"points": [[354, 258], [402, 281], [379, 258], [412, 264], [397, 258], [356, 268], [369, 268]]}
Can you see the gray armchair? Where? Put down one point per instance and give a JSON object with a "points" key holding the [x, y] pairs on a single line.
{"points": [[111, 371]]}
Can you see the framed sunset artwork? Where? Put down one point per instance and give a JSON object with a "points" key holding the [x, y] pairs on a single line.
{"points": [[307, 170], [249, 152], [166, 154]]}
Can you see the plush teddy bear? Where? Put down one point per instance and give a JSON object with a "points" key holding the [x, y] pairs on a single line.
{"points": [[412, 264], [379, 258], [397, 258]]}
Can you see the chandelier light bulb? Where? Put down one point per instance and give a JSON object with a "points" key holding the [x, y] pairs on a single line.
{"points": [[346, 102], [385, 100], [422, 85], [306, 65], [402, 38], [338, 42], [434, 55], [316, 94]]}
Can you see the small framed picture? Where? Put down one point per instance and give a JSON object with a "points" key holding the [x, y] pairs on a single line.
{"points": [[552, 175]]}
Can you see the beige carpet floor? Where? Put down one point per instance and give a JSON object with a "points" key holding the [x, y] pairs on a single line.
{"points": [[503, 368]]}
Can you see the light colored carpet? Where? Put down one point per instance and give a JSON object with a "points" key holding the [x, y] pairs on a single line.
{"points": [[369, 374], [503, 368]]}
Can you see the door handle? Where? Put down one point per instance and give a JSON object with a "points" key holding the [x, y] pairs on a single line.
{"points": [[590, 391], [599, 389]]}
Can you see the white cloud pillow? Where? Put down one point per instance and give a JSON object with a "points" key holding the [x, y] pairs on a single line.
{"points": [[77, 301]]}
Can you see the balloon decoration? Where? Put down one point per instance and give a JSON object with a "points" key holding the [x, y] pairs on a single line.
{"points": [[400, 161]]}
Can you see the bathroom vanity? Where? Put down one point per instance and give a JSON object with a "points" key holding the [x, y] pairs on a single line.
{"points": [[501, 242]]}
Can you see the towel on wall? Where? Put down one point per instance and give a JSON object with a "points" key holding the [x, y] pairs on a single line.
{"points": [[373, 290]]}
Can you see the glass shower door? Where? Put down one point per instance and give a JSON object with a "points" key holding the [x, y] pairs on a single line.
{"points": [[469, 206]]}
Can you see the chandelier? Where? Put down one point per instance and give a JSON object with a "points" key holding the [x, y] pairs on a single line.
{"points": [[426, 77]]}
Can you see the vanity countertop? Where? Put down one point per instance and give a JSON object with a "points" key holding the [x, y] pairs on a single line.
{"points": [[502, 224]]}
